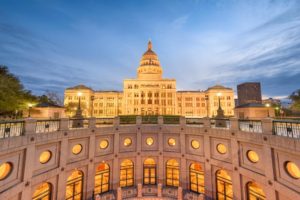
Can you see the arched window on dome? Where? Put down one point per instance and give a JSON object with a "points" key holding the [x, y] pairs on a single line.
{"points": [[74, 189], [126, 173], [255, 192], [149, 172], [102, 178], [42, 192], [196, 178], [224, 185], [172, 173]]}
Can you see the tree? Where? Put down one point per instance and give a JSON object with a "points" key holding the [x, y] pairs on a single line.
{"points": [[295, 97], [13, 96]]}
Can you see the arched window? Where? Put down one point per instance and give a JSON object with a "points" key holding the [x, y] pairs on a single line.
{"points": [[255, 192], [102, 179], [126, 174], [172, 173], [74, 186], [196, 178], [149, 172], [42, 192], [224, 185]]}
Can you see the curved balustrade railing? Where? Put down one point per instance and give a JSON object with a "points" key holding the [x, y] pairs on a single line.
{"points": [[286, 128]]}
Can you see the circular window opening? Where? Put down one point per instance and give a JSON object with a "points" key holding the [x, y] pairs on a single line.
{"points": [[45, 156], [127, 142], [172, 142], [195, 144], [149, 141], [292, 169], [77, 149], [221, 148], [252, 156], [5, 170], [103, 144]]}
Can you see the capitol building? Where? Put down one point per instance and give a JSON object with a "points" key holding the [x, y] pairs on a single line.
{"points": [[150, 94], [150, 142]]}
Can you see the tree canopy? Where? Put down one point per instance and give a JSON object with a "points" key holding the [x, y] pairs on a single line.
{"points": [[15, 98]]}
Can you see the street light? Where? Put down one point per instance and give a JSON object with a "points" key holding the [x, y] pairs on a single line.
{"points": [[268, 106], [79, 94], [29, 108]]}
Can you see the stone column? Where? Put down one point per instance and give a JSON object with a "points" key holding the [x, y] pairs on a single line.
{"points": [[91, 167], [92, 122], [160, 163], [116, 171], [139, 163], [206, 122], [138, 120], [62, 177], [159, 190], [64, 124], [183, 167], [30, 125], [28, 171], [208, 184], [139, 190], [267, 126], [119, 193], [234, 123], [269, 189], [180, 193]]}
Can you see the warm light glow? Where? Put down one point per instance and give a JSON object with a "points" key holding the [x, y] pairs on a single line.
{"points": [[197, 178], [127, 142], [126, 173], [172, 173], [43, 191], [30, 105], [195, 144], [149, 141], [45, 156], [5, 170], [293, 170], [74, 185], [277, 108], [268, 105], [252, 156], [77, 149], [79, 94], [172, 142], [221, 148], [219, 94], [255, 191], [103, 144]]}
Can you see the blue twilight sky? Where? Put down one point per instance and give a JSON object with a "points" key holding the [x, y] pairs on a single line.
{"points": [[52, 45]]}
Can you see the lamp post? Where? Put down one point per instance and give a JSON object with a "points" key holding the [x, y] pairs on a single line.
{"points": [[92, 104], [29, 109], [78, 113], [268, 106], [206, 99]]}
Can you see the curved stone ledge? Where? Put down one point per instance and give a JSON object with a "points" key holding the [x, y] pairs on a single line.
{"points": [[23, 152]]}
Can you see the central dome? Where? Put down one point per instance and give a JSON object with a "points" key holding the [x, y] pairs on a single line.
{"points": [[149, 68]]}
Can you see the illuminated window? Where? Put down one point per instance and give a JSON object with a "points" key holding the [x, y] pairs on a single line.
{"points": [[45, 156], [171, 141], [252, 156], [74, 189], [196, 178], [172, 173], [77, 149], [292, 169], [102, 179], [127, 142], [5, 170], [149, 141], [255, 192], [103, 144], [149, 172], [42, 192], [224, 185], [221, 148], [126, 173], [195, 144]]}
